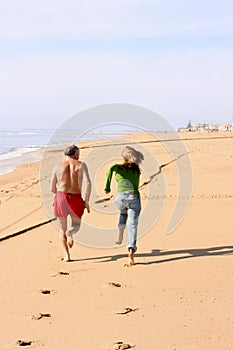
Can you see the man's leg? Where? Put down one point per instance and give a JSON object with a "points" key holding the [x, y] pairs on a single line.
{"points": [[62, 222], [75, 226]]}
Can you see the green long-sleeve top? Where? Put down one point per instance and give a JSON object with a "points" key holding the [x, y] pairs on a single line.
{"points": [[128, 180]]}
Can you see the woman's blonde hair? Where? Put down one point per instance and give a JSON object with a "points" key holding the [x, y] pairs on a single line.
{"points": [[131, 155]]}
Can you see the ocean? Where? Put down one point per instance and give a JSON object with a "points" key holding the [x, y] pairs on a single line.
{"points": [[20, 147], [16, 147]]}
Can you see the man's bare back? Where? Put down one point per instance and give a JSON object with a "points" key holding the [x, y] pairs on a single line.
{"points": [[69, 176]]}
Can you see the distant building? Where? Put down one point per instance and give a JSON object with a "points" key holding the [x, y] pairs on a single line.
{"points": [[189, 126], [203, 127]]}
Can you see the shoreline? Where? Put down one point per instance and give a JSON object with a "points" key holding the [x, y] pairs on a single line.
{"points": [[9, 164], [18, 155]]}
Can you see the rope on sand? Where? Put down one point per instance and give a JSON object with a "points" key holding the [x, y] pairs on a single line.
{"points": [[103, 200], [23, 217], [158, 140], [26, 230]]}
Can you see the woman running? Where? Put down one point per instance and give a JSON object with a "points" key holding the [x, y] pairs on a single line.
{"points": [[127, 199]]}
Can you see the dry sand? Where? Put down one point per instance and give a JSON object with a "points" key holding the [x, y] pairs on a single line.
{"points": [[178, 296]]}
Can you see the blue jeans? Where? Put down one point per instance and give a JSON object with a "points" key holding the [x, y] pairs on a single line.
{"points": [[130, 207]]}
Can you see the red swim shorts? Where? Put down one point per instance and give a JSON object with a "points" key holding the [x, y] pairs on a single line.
{"points": [[68, 203]]}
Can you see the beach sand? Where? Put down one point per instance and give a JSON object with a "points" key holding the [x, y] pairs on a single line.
{"points": [[178, 296]]}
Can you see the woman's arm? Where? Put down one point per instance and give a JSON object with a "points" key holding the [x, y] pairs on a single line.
{"points": [[107, 188]]}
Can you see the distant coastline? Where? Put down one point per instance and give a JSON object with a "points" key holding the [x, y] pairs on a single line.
{"points": [[17, 148]]}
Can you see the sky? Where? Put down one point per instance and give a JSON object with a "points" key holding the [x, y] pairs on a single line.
{"points": [[58, 58]]}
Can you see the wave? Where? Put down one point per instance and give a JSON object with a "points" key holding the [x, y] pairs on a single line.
{"points": [[19, 152], [7, 133]]}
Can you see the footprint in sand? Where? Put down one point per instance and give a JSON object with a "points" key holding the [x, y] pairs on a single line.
{"points": [[63, 273], [125, 311], [39, 316], [48, 291], [24, 342], [60, 273], [45, 291], [114, 284], [121, 346]]}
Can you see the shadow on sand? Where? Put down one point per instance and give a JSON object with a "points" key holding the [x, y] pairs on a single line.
{"points": [[163, 256]]}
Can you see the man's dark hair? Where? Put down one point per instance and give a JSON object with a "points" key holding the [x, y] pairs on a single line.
{"points": [[71, 150]]}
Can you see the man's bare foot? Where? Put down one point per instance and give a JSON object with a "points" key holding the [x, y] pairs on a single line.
{"points": [[67, 258], [70, 242], [129, 264]]}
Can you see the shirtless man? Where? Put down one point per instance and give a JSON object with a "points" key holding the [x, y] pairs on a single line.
{"points": [[67, 185]]}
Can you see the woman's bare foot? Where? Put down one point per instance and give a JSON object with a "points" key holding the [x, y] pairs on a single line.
{"points": [[131, 257], [121, 235], [119, 241]]}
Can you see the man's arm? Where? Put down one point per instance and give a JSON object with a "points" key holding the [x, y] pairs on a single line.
{"points": [[54, 182], [88, 185]]}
